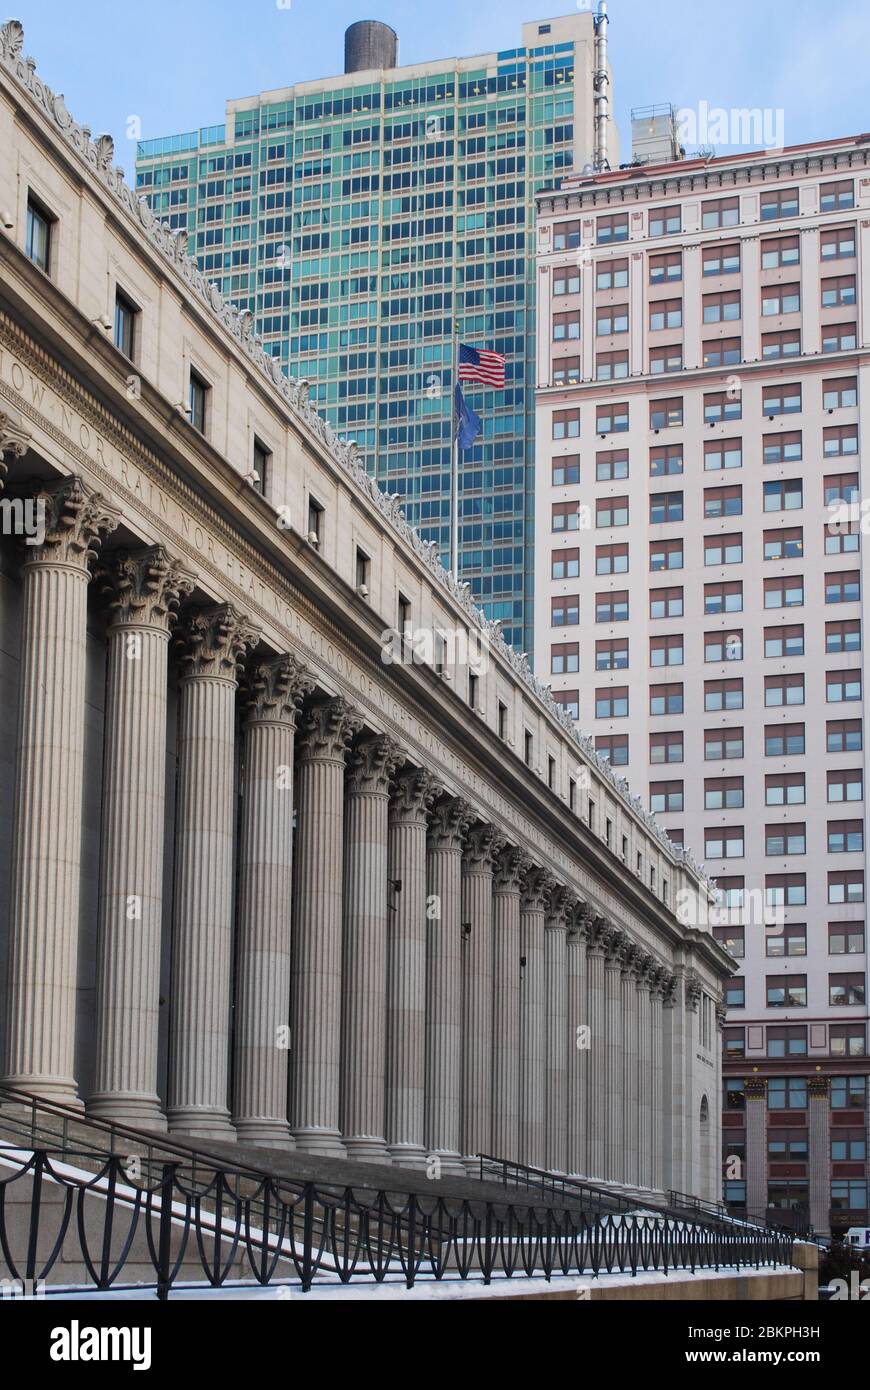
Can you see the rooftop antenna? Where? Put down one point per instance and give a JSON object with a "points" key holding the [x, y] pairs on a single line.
{"points": [[600, 84]]}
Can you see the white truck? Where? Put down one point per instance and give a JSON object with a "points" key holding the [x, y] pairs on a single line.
{"points": [[858, 1239]]}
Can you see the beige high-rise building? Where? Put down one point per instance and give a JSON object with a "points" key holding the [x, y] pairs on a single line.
{"points": [[703, 346]]}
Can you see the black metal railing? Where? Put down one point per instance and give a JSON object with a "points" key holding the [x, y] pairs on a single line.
{"points": [[216, 1232]]}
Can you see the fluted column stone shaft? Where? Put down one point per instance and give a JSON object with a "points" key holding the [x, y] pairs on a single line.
{"points": [[509, 873], [645, 1064], [578, 1046], [273, 691], [613, 1076], [596, 1069], [630, 1101], [657, 1106], [215, 642], [483, 846], [49, 777], [364, 995], [144, 588], [448, 822], [533, 1027], [412, 797], [325, 731], [556, 1026]]}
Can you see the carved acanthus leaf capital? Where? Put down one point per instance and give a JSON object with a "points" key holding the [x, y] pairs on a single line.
{"points": [[693, 990], [274, 689], [144, 587], [215, 640], [448, 821], [537, 885], [412, 796], [75, 521], [483, 845], [511, 867], [560, 906], [15, 439], [327, 727], [373, 762]]}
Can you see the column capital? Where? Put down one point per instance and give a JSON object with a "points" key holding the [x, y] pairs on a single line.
{"points": [[645, 969], [755, 1088], [327, 727], [273, 690], [668, 988], [629, 957], [483, 845], [613, 942], [721, 1016], [15, 439], [76, 519], [693, 989], [412, 796], [373, 762], [448, 821], [536, 888], [559, 907], [510, 869], [817, 1087], [215, 641], [144, 587]]}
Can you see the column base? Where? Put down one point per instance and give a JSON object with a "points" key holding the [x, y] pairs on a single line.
{"points": [[200, 1123], [408, 1156], [450, 1163], [264, 1133], [366, 1149], [139, 1112], [319, 1141], [61, 1090]]}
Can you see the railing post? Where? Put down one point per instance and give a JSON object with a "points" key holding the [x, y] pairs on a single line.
{"points": [[164, 1248], [307, 1237], [33, 1233]]}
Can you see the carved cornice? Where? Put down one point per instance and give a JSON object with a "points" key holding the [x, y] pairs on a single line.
{"points": [[483, 844], [326, 729], [372, 765], [214, 642], [273, 690], [412, 796], [75, 519], [144, 587], [448, 821]]}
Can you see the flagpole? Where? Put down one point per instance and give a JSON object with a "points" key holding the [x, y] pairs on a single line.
{"points": [[454, 462]]}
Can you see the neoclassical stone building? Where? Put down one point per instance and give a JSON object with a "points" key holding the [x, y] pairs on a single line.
{"points": [[293, 847]]}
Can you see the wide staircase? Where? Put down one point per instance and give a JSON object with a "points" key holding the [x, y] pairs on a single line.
{"points": [[85, 1204]]}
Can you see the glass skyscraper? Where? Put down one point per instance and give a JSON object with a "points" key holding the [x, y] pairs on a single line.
{"points": [[357, 218]]}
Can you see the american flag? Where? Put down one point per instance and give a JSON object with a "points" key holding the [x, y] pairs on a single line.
{"points": [[479, 364]]}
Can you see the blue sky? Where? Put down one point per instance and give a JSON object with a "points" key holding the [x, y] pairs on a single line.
{"points": [[173, 63]]}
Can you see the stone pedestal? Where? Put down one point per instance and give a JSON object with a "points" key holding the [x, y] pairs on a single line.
{"points": [[272, 694], [447, 826], [413, 794], [215, 642], [367, 894], [482, 848], [144, 589], [819, 1166], [42, 974], [509, 873], [324, 734]]}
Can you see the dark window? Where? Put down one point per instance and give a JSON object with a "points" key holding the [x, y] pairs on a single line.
{"points": [[37, 245], [125, 322]]}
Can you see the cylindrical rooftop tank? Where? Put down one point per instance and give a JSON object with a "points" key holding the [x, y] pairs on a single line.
{"points": [[370, 44]]}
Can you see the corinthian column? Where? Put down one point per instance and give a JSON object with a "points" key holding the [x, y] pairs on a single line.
{"points": [[413, 794], [557, 1042], [510, 871], [482, 848], [447, 826], [533, 1034], [273, 691], [366, 892], [613, 1079], [596, 1143], [144, 590], [325, 732], [645, 1162], [630, 1126], [215, 641], [47, 809], [578, 1043]]}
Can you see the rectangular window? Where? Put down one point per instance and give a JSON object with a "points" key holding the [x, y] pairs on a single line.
{"points": [[610, 319], [845, 784], [790, 941], [665, 313], [666, 413], [784, 690], [721, 308], [611, 559], [664, 221], [723, 550], [784, 740], [781, 840], [611, 702], [787, 640], [611, 229], [837, 243], [787, 992], [612, 607], [723, 842], [564, 658], [315, 521], [723, 646], [784, 591], [779, 202], [839, 392], [837, 197], [785, 789], [613, 747], [197, 397], [566, 424], [721, 352], [779, 252], [723, 598], [38, 234], [666, 699], [611, 654], [723, 793], [665, 797], [783, 448], [666, 651], [565, 611], [666, 359], [612, 275], [784, 543], [125, 319], [612, 419], [611, 366], [723, 694], [722, 453], [780, 299], [261, 465], [842, 685], [844, 736], [846, 990], [843, 586], [721, 260], [845, 837], [781, 400], [666, 603], [665, 269], [722, 405], [565, 564], [666, 748], [720, 212], [611, 465], [666, 555], [666, 460], [839, 337], [611, 511], [566, 470]]}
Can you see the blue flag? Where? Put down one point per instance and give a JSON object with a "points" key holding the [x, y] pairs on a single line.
{"points": [[468, 424]]}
